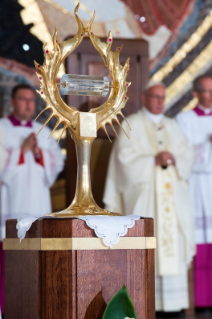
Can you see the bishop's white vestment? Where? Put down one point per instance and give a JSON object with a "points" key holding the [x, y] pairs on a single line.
{"points": [[197, 126], [135, 185], [26, 180]]}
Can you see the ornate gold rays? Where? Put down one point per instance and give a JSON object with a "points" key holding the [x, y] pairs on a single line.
{"points": [[83, 203], [69, 115]]}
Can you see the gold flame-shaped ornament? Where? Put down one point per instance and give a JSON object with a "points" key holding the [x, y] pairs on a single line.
{"points": [[83, 203]]}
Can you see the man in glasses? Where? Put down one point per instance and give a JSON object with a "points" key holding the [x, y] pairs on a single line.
{"points": [[32, 166], [197, 126], [148, 176]]}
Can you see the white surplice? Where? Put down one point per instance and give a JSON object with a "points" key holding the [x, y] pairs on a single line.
{"points": [[198, 129], [3, 152], [131, 188], [25, 186], [3, 157]]}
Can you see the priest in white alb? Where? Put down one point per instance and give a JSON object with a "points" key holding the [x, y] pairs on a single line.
{"points": [[33, 162], [148, 176], [3, 152], [197, 126], [3, 157]]}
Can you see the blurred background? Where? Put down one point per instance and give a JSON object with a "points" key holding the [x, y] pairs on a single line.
{"points": [[167, 40]]}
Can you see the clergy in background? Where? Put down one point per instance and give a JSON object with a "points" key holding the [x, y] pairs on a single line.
{"points": [[3, 157], [33, 163], [197, 126], [148, 176], [3, 152]]}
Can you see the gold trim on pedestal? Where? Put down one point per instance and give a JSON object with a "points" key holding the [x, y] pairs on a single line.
{"points": [[43, 244]]}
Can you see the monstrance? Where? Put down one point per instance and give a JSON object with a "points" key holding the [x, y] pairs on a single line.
{"points": [[83, 126]]}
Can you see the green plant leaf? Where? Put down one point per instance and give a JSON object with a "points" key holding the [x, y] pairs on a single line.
{"points": [[120, 306]]}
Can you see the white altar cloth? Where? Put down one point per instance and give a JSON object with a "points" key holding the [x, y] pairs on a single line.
{"points": [[109, 228]]}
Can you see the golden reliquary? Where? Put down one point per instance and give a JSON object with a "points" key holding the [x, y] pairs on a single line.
{"points": [[83, 126]]}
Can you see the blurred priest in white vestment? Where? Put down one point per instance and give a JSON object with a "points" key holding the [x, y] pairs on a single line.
{"points": [[148, 176], [33, 162], [197, 126], [3, 152], [3, 157]]}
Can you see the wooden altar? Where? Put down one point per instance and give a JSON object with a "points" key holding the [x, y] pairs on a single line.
{"points": [[61, 270]]}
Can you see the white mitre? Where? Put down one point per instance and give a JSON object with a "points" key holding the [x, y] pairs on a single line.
{"points": [[150, 84]]}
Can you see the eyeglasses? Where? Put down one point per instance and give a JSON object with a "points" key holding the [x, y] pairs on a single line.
{"points": [[205, 91], [24, 99], [155, 96]]}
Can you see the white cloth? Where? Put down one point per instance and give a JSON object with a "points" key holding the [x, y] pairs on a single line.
{"points": [[24, 223], [206, 110], [3, 158], [109, 228], [155, 118], [172, 291], [25, 187], [167, 223], [131, 180], [198, 130], [3, 152], [166, 227]]}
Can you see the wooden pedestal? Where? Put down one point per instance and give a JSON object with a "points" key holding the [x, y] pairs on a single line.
{"points": [[51, 276]]}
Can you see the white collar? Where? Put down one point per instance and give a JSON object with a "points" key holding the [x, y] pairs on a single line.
{"points": [[155, 118], [205, 109]]}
